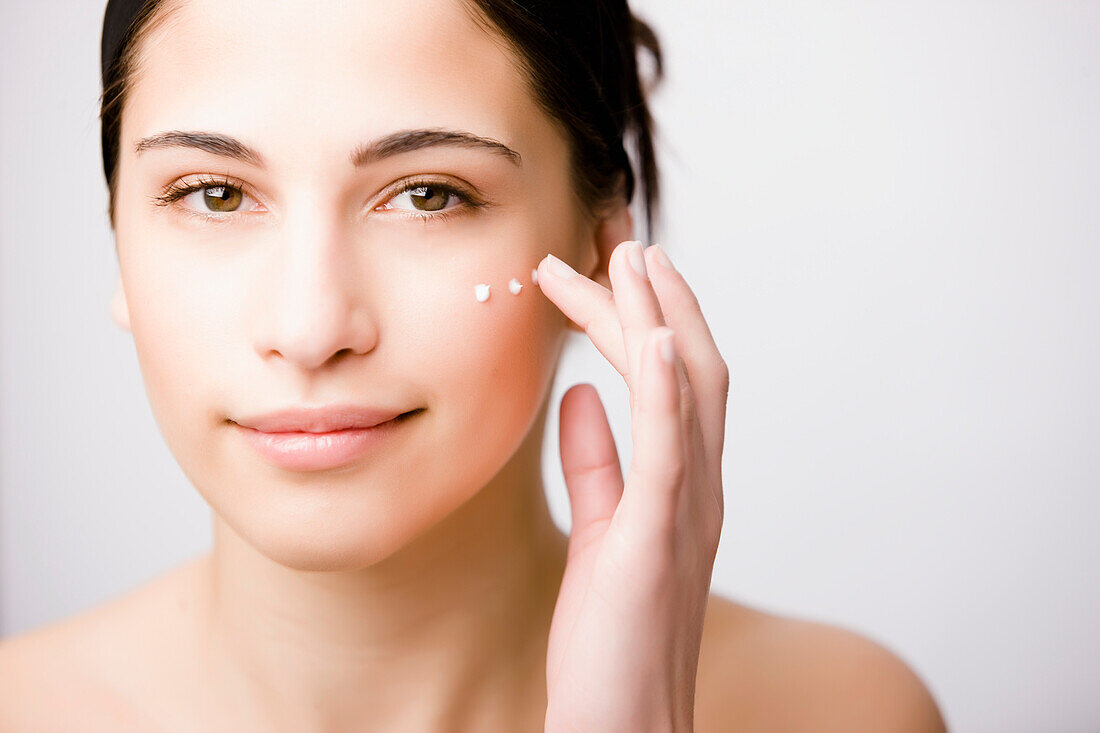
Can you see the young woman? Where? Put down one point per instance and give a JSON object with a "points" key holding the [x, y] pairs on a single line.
{"points": [[352, 237]]}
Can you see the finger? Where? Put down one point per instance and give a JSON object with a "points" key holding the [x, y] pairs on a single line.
{"points": [[590, 462], [588, 304], [637, 306], [659, 463], [602, 313], [705, 368], [594, 481], [593, 307]]}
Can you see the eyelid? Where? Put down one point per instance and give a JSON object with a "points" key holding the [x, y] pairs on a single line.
{"points": [[184, 186], [470, 199], [407, 183]]}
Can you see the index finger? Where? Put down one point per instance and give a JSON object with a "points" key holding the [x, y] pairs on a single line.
{"points": [[588, 304]]}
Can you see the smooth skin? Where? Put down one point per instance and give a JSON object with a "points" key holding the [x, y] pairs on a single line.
{"points": [[425, 587], [631, 608]]}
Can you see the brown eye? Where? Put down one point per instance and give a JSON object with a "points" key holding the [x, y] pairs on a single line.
{"points": [[429, 198], [222, 198]]}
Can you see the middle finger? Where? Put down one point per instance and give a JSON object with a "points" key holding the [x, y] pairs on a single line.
{"points": [[636, 303], [597, 310]]}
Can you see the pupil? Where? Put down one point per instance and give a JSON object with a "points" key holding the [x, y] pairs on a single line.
{"points": [[222, 198], [424, 200]]}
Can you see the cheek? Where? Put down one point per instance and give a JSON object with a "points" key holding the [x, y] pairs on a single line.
{"points": [[484, 364], [182, 339], [484, 369]]}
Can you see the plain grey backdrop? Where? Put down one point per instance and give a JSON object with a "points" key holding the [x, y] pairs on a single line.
{"points": [[889, 212]]}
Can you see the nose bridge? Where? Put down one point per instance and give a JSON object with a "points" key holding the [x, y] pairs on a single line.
{"points": [[316, 312]]}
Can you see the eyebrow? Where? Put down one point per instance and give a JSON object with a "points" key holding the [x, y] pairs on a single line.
{"points": [[402, 141]]}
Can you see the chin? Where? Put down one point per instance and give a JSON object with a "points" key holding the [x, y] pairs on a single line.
{"points": [[326, 530], [324, 546]]}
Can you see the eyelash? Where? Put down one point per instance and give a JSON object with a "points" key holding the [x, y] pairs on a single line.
{"points": [[176, 191]]}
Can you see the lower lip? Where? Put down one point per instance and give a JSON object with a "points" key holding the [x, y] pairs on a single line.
{"points": [[319, 451]]}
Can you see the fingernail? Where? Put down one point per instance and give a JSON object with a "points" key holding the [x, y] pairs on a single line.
{"points": [[659, 253], [637, 260], [668, 349], [559, 268]]}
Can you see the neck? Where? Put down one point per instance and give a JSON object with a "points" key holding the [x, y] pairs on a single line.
{"points": [[450, 629]]}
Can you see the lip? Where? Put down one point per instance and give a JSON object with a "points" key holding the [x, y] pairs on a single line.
{"points": [[319, 419], [311, 439]]}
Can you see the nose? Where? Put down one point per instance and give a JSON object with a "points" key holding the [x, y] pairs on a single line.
{"points": [[313, 306]]}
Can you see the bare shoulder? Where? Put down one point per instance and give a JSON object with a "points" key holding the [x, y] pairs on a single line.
{"points": [[49, 677], [86, 672], [762, 671]]}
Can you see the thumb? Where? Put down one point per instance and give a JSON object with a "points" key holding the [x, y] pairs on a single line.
{"points": [[590, 463]]}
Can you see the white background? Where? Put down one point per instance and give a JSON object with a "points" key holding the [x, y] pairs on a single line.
{"points": [[889, 212]]}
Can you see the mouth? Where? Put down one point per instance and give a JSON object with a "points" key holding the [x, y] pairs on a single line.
{"points": [[300, 450]]}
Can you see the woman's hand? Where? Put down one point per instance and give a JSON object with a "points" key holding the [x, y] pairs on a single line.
{"points": [[625, 636]]}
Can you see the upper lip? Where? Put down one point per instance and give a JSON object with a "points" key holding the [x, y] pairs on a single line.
{"points": [[319, 419]]}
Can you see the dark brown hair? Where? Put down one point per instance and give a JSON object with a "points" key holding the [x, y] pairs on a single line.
{"points": [[580, 58]]}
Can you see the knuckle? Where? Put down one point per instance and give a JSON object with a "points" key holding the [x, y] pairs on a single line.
{"points": [[693, 301], [723, 376], [664, 471], [687, 405], [599, 471], [674, 470]]}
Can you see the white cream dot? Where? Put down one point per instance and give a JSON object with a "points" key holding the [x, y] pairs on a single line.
{"points": [[535, 276], [514, 286], [481, 292]]}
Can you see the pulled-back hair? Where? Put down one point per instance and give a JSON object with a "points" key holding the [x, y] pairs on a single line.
{"points": [[580, 58]]}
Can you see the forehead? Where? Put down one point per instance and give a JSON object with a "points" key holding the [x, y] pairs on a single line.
{"points": [[327, 74]]}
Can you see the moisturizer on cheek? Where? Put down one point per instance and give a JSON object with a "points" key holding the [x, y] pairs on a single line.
{"points": [[481, 290]]}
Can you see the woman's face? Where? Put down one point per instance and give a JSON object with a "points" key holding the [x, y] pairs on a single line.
{"points": [[313, 279]]}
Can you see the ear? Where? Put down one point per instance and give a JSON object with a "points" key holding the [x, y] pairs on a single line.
{"points": [[120, 313], [613, 229]]}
